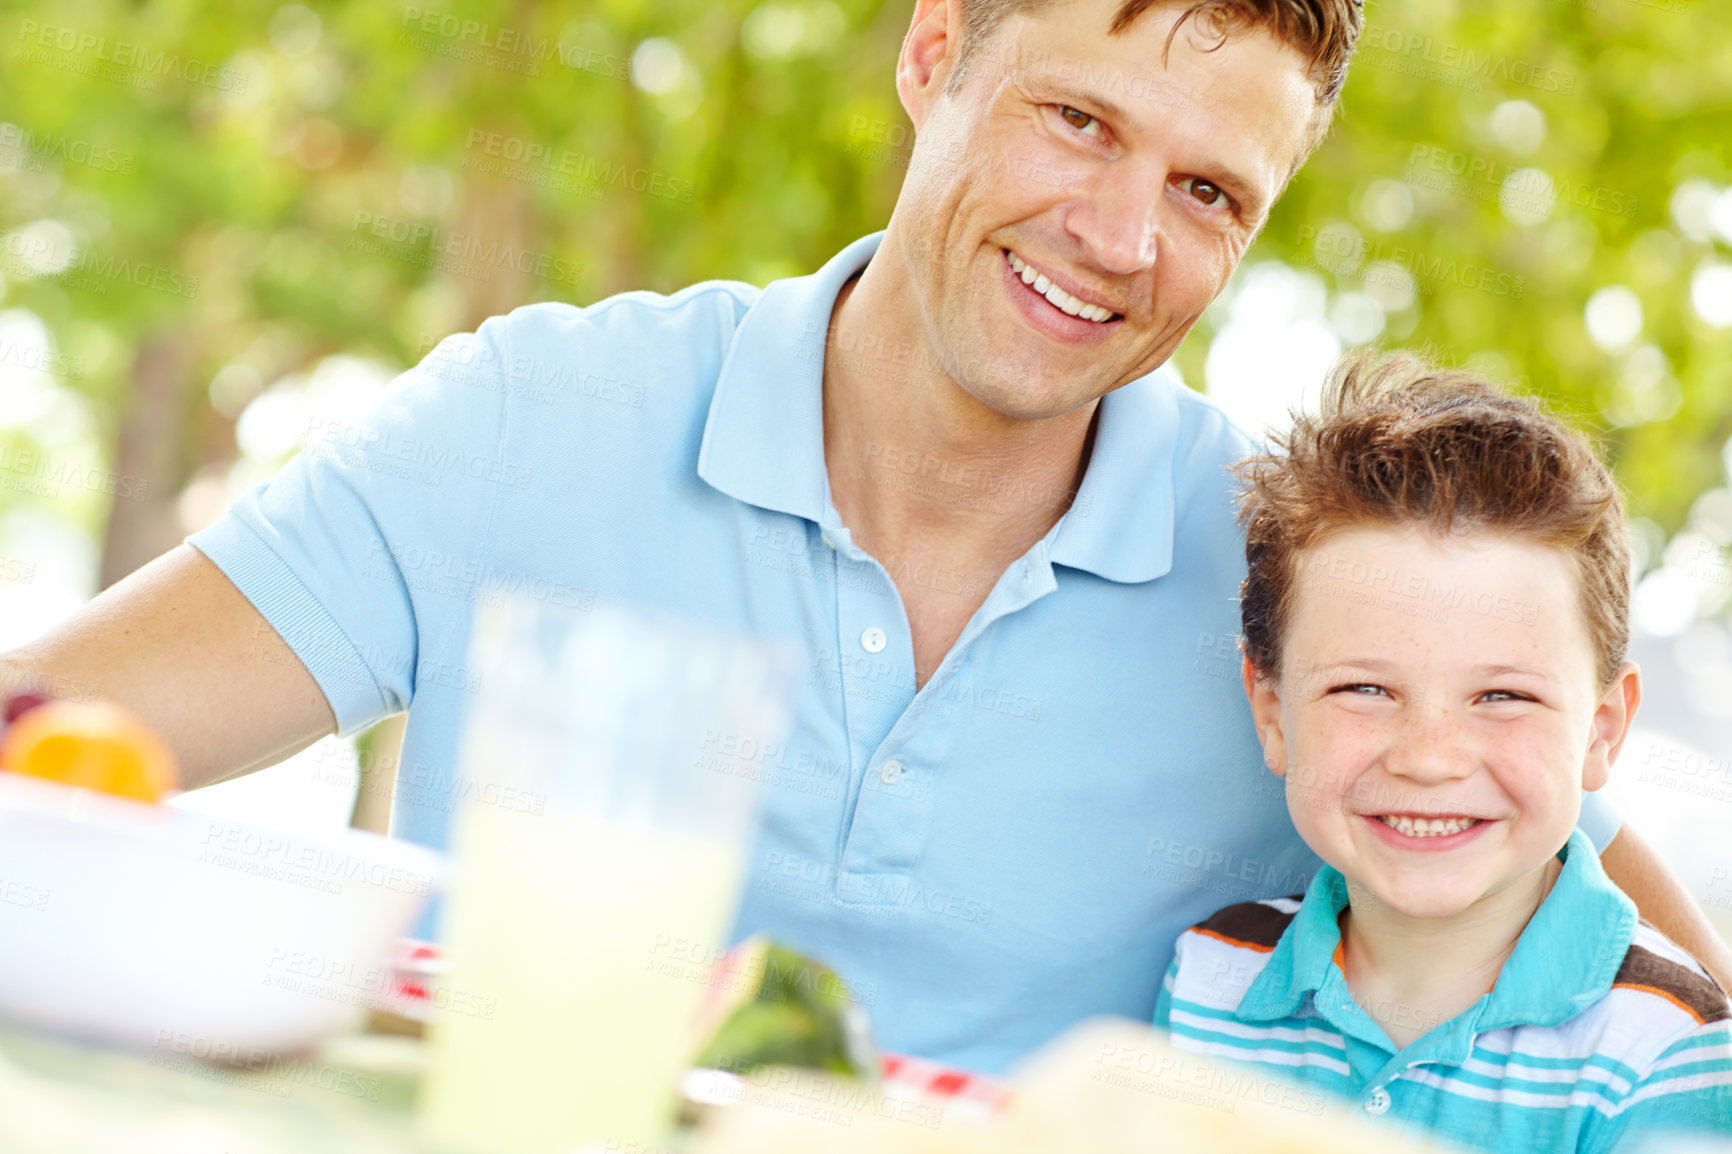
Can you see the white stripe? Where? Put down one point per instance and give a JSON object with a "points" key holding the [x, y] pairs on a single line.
{"points": [[1719, 1053], [1579, 1097], [1657, 943], [1638, 1011], [1255, 1033], [1268, 1057], [1514, 1068], [1676, 1086]]}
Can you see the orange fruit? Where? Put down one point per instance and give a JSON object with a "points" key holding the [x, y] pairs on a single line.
{"points": [[94, 746]]}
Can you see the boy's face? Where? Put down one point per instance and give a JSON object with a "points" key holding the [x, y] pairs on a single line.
{"points": [[1438, 712]]}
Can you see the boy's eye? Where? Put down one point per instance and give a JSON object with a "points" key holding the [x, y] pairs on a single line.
{"points": [[1080, 120], [1503, 695], [1360, 688]]}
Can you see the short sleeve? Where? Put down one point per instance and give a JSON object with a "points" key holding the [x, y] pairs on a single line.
{"points": [[1164, 1002], [1687, 1090], [1600, 819], [320, 550]]}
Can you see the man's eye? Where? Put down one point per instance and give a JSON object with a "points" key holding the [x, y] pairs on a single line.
{"points": [[1205, 193], [1080, 120]]}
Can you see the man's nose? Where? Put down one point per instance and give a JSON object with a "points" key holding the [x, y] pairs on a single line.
{"points": [[1118, 221]]}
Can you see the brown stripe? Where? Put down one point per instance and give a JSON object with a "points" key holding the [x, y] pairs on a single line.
{"points": [[1248, 923], [1647, 971]]}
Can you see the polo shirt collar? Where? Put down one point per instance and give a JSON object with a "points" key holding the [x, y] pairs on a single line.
{"points": [[1566, 959], [763, 442], [1300, 962], [1563, 962]]}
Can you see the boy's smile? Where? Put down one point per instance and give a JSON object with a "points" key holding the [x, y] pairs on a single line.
{"points": [[1438, 714]]}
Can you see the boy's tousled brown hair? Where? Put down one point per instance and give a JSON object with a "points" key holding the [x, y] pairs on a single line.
{"points": [[1397, 442]]}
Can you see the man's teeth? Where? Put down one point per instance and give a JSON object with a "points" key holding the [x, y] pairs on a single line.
{"points": [[1427, 826], [1059, 298]]}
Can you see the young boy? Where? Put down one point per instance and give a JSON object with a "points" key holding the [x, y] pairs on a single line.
{"points": [[1435, 620]]}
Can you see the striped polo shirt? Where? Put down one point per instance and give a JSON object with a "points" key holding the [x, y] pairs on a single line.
{"points": [[1597, 1032]]}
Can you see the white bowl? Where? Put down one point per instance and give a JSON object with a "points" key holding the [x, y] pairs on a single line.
{"points": [[174, 931]]}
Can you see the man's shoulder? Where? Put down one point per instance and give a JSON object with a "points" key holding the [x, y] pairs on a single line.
{"points": [[706, 311], [1206, 432]]}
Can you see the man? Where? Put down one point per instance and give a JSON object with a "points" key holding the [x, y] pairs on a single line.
{"points": [[940, 467]]}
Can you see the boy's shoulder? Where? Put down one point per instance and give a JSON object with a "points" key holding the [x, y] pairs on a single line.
{"points": [[1662, 1009], [1653, 1051], [1250, 925], [1661, 982], [1218, 958]]}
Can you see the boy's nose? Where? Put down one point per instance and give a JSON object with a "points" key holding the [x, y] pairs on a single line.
{"points": [[1428, 749]]}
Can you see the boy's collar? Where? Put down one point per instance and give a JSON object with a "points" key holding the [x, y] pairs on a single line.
{"points": [[1563, 962]]}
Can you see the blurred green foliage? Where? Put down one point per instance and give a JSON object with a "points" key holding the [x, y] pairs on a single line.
{"points": [[263, 185]]}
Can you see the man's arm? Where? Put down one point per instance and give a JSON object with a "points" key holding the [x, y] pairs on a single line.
{"points": [[178, 645], [1664, 903]]}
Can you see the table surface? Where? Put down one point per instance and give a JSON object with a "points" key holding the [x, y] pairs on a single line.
{"points": [[355, 1094], [352, 1096]]}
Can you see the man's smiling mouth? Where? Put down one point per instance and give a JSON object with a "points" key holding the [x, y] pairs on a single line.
{"points": [[1057, 297]]}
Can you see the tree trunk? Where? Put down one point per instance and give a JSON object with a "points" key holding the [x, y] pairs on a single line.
{"points": [[149, 460]]}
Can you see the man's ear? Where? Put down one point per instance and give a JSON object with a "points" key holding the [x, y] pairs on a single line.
{"points": [[929, 52], [1611, 724], [1265, 698]]}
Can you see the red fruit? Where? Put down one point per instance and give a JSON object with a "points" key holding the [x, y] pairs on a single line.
{"points": [[21, 703]]}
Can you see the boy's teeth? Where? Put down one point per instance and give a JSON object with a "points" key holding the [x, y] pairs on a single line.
{"points": [[1427, 826], [1058, 297]]}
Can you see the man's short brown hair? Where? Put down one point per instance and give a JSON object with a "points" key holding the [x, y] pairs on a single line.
{"points": [[1398, 443], [1322, 31]]}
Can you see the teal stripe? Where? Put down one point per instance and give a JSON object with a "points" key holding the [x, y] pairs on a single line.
{"points": [[1559, 1090], [1598, 1061], [1219, 1015], [1260, 1043], [1697, 1042], [1690, 1070]]}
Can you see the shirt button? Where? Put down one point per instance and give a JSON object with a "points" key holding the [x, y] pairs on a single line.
{"points": [[873, 640], [1378, 1102], [890, 772]]}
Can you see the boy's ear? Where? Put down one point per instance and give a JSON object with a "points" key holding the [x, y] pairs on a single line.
{"points": [[1265, 699], [1611, 724]]}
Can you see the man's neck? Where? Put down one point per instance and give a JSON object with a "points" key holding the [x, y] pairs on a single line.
{"points": [[1413, 974], [915, 462], [945, 492]]}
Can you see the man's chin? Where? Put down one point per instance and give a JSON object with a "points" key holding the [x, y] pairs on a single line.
{"points": [[1022, 401]]}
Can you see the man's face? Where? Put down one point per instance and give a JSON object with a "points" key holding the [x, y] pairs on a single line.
{"points": [[1130, 184]]}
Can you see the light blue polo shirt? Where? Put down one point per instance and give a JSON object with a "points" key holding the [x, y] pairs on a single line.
{"points": [[986, 861], [1598, 1035]]}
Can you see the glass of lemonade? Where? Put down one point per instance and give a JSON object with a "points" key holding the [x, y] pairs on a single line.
{"points": [[592, 842]]}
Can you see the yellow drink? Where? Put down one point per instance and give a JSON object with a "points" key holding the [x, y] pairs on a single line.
{"points": [[559, 924]]}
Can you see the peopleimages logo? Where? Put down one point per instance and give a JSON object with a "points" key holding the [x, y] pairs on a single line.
{"points": [[126, 55], [580, 166]]}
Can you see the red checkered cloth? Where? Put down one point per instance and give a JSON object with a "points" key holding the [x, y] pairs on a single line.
{"points": [[961, 1093], [417, 966]]}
